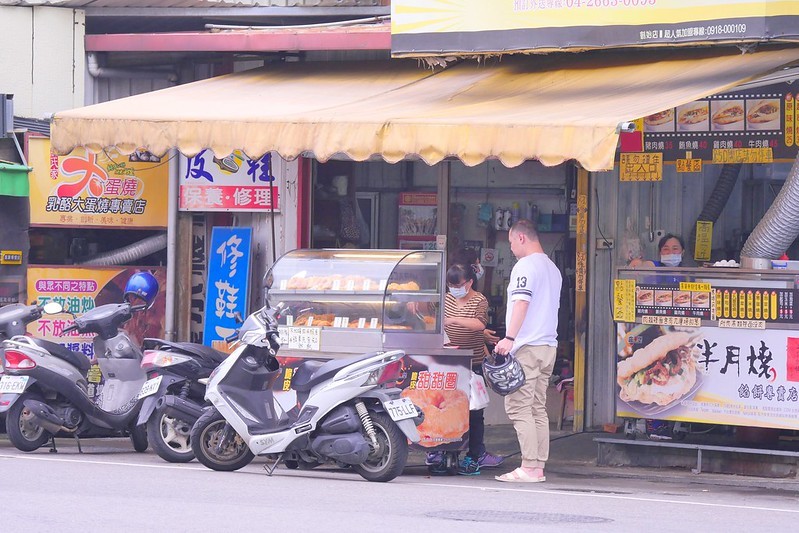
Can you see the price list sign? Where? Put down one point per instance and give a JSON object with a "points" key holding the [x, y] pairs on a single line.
{"points": [[769, 305]]}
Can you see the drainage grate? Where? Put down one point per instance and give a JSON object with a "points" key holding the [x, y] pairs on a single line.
{"points": [[594, 491], [510, 517]]}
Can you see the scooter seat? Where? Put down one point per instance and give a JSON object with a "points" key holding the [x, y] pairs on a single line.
{"points": [[76, 359], [205, 354], [311, 373]]}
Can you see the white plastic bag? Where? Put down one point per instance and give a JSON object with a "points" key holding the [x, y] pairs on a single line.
{"points": [[478, 399]]}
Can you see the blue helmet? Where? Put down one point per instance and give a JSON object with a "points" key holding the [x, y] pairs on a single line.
{"points": [[143, 286]]}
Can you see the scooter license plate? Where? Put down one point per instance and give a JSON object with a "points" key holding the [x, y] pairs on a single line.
{"points": [[400, 409], [13, 384], [150, 387]]}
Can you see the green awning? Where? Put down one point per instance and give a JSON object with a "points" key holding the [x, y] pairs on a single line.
{"points": [[14, 179]]}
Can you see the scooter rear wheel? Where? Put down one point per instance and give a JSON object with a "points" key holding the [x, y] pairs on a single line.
{"points": [[23, 430], [387, 461], [217, 445]]}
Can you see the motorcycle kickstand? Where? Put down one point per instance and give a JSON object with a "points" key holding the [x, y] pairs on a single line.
{"points": [[80, 450], [52, 445], [270, 469]]}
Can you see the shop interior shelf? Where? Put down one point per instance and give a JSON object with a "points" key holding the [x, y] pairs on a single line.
{"points": [[403, 295]]}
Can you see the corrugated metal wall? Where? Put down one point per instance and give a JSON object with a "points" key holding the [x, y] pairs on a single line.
{"points": [[42, 59]]}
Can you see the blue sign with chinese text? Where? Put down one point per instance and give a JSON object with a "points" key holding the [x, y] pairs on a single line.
{"points": [[228, 279]]}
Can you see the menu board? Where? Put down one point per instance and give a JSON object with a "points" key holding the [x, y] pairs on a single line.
{"points": [[679, 300], [750, 126], [699, 300]]}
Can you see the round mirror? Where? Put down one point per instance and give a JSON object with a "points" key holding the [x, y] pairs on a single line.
{"points": [[52, 308]]}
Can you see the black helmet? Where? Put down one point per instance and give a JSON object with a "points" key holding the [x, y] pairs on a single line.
{"points": [[503, 373]]}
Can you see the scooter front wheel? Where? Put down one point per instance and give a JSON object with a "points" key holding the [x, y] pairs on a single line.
{"points": [[170, 437], [24, 431], [387, 460], [217, 445]]}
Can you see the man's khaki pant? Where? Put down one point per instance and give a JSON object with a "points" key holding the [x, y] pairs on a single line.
{"points": [[527, 406]]}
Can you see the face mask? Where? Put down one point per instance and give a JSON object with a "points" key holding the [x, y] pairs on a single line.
{"points": [[458, 292], [479, 271], [671, 260]]}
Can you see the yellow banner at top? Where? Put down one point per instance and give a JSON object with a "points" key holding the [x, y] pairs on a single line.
{"points": [[438, 27], [104, 189]]}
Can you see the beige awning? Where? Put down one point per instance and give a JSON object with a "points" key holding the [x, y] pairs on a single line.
{"points": [[551, 108]]}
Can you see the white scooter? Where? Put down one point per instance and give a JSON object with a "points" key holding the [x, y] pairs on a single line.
{"points": [[348, 411]]}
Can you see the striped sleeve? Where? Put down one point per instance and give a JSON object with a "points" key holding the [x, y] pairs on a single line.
{"points": [[521, 285]]}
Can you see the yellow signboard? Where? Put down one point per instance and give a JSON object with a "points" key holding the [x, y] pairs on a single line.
{"points": [[11, 257], [742, 155], [641, 167], [430, 27], [689, 165], [684, 321], [695, 287], [624, 300], [790, 119], [704, 240], [105, 189], [79, 290]]}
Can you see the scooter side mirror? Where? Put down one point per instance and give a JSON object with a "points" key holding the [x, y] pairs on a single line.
{"points": [[52, 308]]}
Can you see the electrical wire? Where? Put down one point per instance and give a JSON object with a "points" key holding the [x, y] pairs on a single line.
{"points": [[608, 245]]}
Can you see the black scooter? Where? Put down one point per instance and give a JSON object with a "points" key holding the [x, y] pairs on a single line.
{"points": [[174, 394]]}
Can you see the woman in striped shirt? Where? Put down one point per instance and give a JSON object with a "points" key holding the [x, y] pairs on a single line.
{"points": [[465, 318]]}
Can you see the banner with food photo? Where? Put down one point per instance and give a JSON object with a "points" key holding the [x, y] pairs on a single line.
{"points": [[708, 375], [418, 212], [79, 290], [761, 118], [439, 386]]}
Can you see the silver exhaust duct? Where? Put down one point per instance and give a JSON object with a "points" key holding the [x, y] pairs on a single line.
{"points": [[778, 228], [130, 253]]}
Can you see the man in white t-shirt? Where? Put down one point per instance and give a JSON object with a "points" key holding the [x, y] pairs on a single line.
{"points": [[531, 324]]}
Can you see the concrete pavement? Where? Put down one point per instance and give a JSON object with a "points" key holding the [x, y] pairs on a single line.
{"points": [[575, 454]]}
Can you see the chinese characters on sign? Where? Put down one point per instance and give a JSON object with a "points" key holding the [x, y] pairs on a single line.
{"points": [[704, 240], [689, 165], [228, 279], [426, 380], [301, 338], [624, 300], [233, 183], [737, 377], [743, 155], [103, 189], [641, 167]]}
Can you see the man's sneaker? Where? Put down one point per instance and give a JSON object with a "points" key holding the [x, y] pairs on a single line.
{"points": [[489, 460], [469, 467], [434, 458]]}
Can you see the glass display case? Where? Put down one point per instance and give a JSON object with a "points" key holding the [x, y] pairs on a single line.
{"points": [[353, 301]]}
